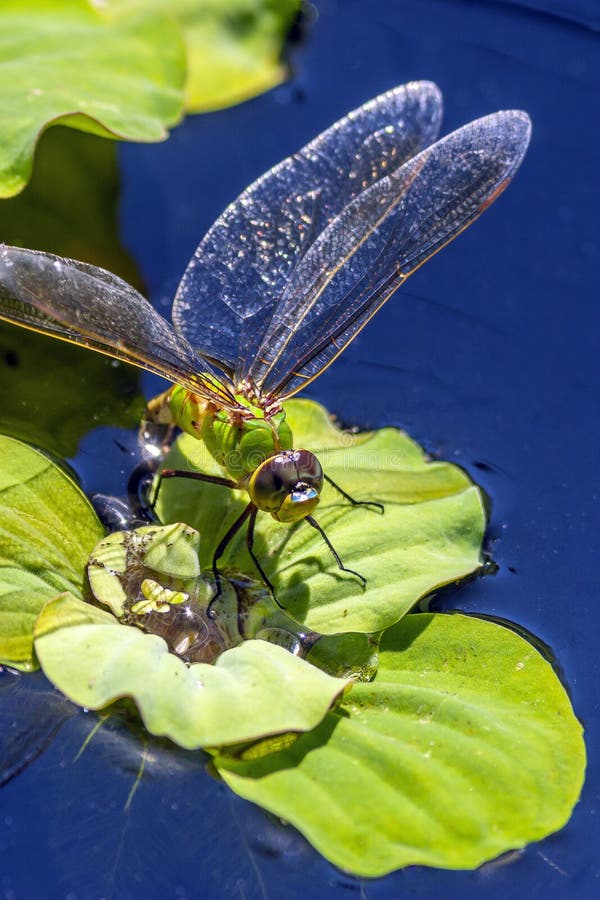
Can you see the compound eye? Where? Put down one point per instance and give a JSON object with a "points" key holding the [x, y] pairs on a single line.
{"points": [[272, 481], [309, 469]]}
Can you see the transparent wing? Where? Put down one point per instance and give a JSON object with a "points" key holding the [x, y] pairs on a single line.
{"points": [[234, 284], [378, 240], [83, 304]]}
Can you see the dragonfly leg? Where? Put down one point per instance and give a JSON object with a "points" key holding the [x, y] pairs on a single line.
{"points": [[247, 511], [351, 499], [255, 560], [334, 552], [197, 476]]}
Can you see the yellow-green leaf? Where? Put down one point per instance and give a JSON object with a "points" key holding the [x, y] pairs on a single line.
{"points": [[47, 530], [253, 690], [463, 747]]}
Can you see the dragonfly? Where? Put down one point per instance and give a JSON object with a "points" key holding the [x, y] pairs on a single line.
{"points": [[282, 282]]}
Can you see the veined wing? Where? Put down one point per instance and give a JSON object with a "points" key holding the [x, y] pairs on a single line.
{"points": [[233, 286], [83, 304], [378, 240]]}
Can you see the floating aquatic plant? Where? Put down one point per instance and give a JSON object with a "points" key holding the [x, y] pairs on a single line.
{"points": [[458, 731]]}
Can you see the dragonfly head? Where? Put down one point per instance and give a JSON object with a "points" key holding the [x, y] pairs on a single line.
{"points": [[287, 484]]}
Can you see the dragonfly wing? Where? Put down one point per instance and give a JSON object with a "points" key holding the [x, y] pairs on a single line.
{"points": [[234, 283], [378, 240], [83, 304]]}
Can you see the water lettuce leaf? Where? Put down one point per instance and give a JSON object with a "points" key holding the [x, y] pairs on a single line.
{"points": [[463, 747], [429, 535], [70, 62], [47, 530], [253, 690]]}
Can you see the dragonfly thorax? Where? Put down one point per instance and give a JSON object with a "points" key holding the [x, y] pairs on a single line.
{"points": [[240, 438], [252, 399], [287, 484]]}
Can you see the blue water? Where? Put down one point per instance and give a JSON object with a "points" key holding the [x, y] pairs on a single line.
{"points": [[489, 357]]}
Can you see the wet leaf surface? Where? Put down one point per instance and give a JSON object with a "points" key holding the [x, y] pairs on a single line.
{"points": [[465, 745]]}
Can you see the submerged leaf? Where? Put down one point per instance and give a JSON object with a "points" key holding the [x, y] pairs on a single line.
{"points": [[463, 747], [31, 713], [429, 535], [70, 206], [253, 690], [47, 529], [54, 392]]}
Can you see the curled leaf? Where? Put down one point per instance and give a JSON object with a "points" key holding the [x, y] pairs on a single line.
{"points": [[463, 747], [253, 690]]}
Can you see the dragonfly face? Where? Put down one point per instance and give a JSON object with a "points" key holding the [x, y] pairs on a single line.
{"points": [[283, 281], [288, 485]]}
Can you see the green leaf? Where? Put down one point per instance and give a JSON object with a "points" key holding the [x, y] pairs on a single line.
{"points": [[233, 48], [463, 747], [253, 690], [429, 535], [47, 529], [66, 61]]}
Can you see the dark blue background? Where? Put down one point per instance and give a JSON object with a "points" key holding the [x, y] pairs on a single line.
{"points": [[489, 357]]}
